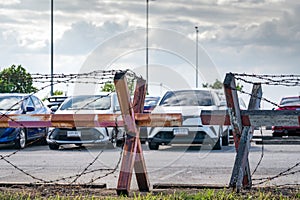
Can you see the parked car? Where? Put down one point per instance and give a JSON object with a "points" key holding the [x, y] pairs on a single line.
{"points": [[53, 102], [104, 103], [150, 103], [189, 103], [287, 103], [15, 103]]}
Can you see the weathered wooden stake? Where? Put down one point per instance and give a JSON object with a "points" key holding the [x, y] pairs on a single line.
{"points": [[241, 175], [132, 151]]}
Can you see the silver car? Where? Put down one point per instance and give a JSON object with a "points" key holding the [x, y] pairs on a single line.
{"points": [[104, 103], [189, 103]]}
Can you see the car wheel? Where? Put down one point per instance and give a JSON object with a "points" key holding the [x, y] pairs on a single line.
{"points": [[225, 139], [53, 146], [112, 144], [20, 143], [43, 141], [275, 134], [153, 146], [217, 145]]}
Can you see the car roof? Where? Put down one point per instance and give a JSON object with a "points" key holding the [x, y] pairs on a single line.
{"points": [[15, 94], [98, 94], [290, 97], [284, 99]]}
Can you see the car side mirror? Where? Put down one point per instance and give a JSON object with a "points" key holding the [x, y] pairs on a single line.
{"points": [[29, 109], [54, 108]]}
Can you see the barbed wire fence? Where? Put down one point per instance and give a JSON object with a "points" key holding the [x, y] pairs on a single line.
{"points": [[106, 76], [100, 77], [269, 80]]}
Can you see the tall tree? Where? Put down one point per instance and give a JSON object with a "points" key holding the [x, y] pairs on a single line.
{"points": [[15, 79]]}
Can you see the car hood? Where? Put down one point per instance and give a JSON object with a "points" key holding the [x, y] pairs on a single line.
{"points": [[190, 114], [83, 112], [5, 112], [184, 110]]}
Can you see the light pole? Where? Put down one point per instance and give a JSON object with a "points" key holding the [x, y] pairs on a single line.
{"points": [[51, 92], [147, 42], [197, 31]]}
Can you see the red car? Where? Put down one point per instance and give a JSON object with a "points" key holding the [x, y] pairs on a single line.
{"points": [[287, 103]]}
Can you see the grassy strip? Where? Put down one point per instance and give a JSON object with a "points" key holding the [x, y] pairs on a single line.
{"points": [[209, 194]]}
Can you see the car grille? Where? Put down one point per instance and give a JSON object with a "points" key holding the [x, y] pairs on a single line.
{"points": [[86, 134], [168, 135]]}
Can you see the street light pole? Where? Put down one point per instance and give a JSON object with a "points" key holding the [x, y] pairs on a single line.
{"points": [[197, 31], [147, 42], [51, 92]]}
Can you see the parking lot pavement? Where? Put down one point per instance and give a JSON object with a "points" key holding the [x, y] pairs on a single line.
{"points": [[170, 164]]}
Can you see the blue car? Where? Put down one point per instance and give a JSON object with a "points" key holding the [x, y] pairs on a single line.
{"points": [[14, 103]]}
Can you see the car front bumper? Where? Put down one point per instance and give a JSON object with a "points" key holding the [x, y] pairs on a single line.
{"points": [[195, 135], [87, 136]]}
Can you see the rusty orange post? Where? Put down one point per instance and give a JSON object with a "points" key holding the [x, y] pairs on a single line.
{"points": [[132, 153]]}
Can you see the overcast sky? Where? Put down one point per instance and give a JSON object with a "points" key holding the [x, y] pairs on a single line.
{"points": [[239, 36]]}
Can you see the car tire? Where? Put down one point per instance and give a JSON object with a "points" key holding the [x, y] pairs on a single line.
{"points": [[217, 145], [153, 145], [53, 146], [43, 141], [225, 139], [112, 145], [275, 134], [20, 142]]}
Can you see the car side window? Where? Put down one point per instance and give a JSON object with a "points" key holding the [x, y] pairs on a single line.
{"points": [[28, 102], [37, 102]]}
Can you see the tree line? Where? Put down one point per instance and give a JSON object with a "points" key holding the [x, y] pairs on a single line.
{"points": [[16, 79]]}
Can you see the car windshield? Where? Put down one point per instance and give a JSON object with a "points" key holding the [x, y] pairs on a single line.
{"points": [[187, 98], [290, 101], [87, 103], [10, 103]]}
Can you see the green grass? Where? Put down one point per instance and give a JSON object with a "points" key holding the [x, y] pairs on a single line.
{"points": [[207, 194]]}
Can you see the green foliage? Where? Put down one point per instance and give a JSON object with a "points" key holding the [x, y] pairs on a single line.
{"points": [[205, 85], [15, 79], [204, 194], [239, 87], [58, 92], [108, 87], [219, 85], [216, 85]]}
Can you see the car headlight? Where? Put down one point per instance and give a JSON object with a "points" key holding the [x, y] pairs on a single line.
{"points": [[101, 137]]}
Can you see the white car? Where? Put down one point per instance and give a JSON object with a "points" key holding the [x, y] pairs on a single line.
{"points": [[189, 103], [104, 103]]}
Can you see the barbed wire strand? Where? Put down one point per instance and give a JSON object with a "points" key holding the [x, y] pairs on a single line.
{"points": [[262, 153]]}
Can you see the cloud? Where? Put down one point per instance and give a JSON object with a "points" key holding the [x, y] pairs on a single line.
{"points": [[8, 3], [84, 36]]}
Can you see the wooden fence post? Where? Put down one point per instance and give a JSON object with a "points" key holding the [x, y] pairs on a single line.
{"points": [[132, 150], [241, 175]]}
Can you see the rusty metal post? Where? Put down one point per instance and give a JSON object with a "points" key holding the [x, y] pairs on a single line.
{"points": [[132, 152]]}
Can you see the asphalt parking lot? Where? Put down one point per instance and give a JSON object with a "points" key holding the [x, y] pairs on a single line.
{"points": [[168, 165]]}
